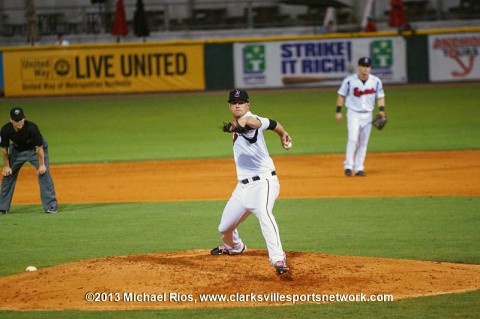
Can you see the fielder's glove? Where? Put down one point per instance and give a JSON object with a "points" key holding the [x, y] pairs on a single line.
{"points": [[379, 122]]}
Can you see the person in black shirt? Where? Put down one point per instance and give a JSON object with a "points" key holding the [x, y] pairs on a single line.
{"points": [[29, 145]]}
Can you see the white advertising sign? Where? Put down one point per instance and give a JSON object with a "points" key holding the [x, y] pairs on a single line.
{"points": [[454, 57], [316, 62]]}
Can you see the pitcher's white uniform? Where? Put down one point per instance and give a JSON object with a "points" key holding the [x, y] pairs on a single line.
{"points": [[360, 102], [257, 189]]}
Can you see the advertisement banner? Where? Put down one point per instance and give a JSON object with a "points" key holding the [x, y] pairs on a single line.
{"points": [[103, 69], [454, 57], [316, 62]]}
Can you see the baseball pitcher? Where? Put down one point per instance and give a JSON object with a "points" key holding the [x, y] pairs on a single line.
{"points": [[258, 186]]}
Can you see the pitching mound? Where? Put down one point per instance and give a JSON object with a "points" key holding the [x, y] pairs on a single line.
{"points": [[182, 279]]}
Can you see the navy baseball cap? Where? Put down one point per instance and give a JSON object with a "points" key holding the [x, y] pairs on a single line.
{"points": [[365, 61], [17, 114], [238, 95]]}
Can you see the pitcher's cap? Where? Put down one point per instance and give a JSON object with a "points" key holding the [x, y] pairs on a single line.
{"points": [[238, 95]]}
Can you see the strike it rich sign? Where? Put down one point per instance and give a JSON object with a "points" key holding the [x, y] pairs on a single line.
{"points": [[316, 62]]}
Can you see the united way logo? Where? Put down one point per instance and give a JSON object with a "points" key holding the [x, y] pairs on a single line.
{"points": [[254, 58], [62, 67], [382, 53]]}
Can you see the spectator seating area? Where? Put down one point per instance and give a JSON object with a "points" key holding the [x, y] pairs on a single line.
{"points": [[248, 14], [96, 19]]}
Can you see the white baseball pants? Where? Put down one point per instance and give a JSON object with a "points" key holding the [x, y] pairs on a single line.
{"points": [[359, 126], [257, 197]]}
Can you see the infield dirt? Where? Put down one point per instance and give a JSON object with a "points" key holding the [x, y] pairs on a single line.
{"points": [[453, 173]]}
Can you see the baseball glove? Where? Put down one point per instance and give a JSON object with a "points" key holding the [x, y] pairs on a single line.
{"points": [[379, 122], [233, 127], [227, 127]]}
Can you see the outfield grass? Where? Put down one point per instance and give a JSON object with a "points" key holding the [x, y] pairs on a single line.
{"points": [[175, 126]]}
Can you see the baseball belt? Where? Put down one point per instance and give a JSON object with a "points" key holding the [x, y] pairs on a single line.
{"points": [[254, 178]]}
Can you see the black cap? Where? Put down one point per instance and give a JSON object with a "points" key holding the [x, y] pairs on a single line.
{"points": [[17, 114], [365, 61], [238, 95]]}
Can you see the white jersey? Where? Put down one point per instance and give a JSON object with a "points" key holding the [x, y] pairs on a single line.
{"points": [[250, 151], [360, 96]]}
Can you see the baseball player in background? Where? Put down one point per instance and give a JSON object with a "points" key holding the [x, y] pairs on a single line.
{"points": [[358, 93], [29, 145], [258, 186]]}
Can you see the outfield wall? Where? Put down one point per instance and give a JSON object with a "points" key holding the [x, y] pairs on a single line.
{"points": [[198, 65]]}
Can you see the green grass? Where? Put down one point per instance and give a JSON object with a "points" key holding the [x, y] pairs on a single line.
{"points": [[174, 126]]}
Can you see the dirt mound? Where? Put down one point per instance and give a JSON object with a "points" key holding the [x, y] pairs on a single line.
{"points": [[182, 279]]}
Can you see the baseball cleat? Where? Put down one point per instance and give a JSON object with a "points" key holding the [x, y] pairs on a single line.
{"points": [[3, 212], [348, 172], [281, 267], [219, 250], [51, 210], [222, 250], [360, 173]]}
